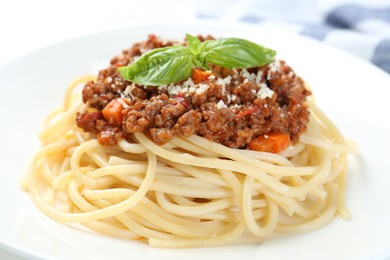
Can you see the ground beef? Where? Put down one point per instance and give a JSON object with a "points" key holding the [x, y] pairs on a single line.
{"points": [[231, 107]]}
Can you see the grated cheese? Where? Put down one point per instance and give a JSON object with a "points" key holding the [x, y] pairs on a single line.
{"points": [[273, 67], [224, 81], [162, 87], [258, 77], [220, 104], [264, 91], [202, 88], [191, 89], [128, 90], [123, 103], [251, 76], [188, 83], [173, 89], [188, 86], [223, 90]]}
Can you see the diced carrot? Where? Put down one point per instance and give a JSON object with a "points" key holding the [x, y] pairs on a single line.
{"points": [[272, 143], [113, 112], [199, 75], [247, 112]]}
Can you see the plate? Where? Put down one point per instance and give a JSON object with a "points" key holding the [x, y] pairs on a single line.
{"points": [[352, 92]]}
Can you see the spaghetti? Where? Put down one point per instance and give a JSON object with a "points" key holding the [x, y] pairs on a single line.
{"points": [[190, 191]]}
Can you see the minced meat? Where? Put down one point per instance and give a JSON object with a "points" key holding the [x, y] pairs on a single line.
{"points": [[231, 106]]}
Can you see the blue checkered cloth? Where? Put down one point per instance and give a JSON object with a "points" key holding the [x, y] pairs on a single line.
{"points": [[361, 30]]}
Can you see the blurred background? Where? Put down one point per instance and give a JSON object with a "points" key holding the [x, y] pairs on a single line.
{"points": [[360, 27]]}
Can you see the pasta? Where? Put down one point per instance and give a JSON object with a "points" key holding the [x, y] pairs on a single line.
{"points": [[190, 192]]}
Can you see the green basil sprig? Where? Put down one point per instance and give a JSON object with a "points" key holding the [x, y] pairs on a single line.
{"points": [[171, 64]]}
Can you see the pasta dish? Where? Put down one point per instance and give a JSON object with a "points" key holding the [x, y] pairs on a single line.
{"points": [[191, 143]]}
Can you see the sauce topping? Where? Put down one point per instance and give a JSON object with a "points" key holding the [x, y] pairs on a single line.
{"points": [[229, 106]]}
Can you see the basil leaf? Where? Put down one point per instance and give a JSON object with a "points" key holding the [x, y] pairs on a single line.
{"points": [[195, 46], [160, 66], [171, 64], [235, 53]]}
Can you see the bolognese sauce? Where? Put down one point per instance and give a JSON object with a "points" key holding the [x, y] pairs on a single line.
{"points": [[228, 106]]}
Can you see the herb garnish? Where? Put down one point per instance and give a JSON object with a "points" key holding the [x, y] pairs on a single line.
{"points": [[171, 64]]}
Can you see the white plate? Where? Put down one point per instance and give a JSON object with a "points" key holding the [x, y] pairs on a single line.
{"points": [[353, 93]]}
